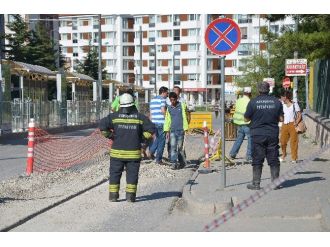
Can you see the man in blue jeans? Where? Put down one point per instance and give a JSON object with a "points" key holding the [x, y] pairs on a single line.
{"points": [[176, 123], [243, 128], [157, 113]]}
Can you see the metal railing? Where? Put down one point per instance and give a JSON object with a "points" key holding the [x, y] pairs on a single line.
{"points": [[15, 115]]}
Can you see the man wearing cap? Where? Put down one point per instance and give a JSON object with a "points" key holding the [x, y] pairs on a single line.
{"points": [[264, 112], [126, 128], [243, 128]]}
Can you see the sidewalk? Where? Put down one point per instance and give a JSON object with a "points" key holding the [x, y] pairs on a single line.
{"points": [[303, 204]]}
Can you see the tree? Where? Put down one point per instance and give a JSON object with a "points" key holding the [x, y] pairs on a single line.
{"points": [[41, 48], [17, 47], [90, 65], [254, 70], [312, 41]]}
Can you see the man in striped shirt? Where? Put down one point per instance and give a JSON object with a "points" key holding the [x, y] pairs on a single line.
{"points": [[157, 113]]}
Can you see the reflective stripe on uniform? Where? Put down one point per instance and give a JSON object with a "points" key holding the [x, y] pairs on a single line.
{"points": [[147, 135], [129, 154], [127, 121], [131, 188], [113, 187]]}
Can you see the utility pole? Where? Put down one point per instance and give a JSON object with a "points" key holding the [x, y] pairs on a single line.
{"points": [[268, 54], [141, 82], [155, 54], [99, 95], [173, 67], [295, 56], [1, 89]]}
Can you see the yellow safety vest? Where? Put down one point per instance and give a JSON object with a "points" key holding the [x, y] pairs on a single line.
{"points": [[168, 119], [240, 110]]}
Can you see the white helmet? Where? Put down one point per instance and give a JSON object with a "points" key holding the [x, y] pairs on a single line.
{"points": [[126, 100]]}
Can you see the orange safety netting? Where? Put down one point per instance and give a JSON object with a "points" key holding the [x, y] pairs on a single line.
{"points": [[53, 152]]}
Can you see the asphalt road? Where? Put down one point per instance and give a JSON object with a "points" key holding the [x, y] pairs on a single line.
{"points": [[13, 155]]}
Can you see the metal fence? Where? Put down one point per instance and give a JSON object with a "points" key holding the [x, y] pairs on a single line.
{"points": [[15, 115], [320, 87]]}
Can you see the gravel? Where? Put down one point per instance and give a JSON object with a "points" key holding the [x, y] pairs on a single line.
{"points": [[22, 196]]}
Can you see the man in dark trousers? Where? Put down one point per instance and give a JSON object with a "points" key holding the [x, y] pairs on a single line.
{"points": [[265, 112], [126, 128]]}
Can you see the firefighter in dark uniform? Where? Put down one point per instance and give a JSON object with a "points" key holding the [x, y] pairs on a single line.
{"points": [[265, 112], [126, 128]]}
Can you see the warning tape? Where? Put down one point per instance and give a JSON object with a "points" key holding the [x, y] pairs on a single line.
{"points": [[260, 193]]}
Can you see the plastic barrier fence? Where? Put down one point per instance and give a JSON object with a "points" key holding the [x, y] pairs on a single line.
{"points": [[198, 118]]}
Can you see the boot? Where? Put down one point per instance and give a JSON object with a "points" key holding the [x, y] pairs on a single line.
{"points": [[113, 196], [274, 174], [257, 170], [130, 197]]}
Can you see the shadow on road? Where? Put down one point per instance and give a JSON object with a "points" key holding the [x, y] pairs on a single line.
{"points": [[159, 195], [297, 181], [309, 172]]}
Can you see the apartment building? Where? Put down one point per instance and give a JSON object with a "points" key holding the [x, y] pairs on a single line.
{"points": [[173, 49], [78, 33]]}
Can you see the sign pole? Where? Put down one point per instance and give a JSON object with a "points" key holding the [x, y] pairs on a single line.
{"points": [[295, 81], [222, 37], [307, 92], [223, 166]]}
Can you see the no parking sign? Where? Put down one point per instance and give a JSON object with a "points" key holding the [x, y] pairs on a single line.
{"points": [[222, 36]]}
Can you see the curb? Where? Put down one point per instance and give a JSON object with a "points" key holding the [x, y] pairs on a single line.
{"points": [[194, 206]]}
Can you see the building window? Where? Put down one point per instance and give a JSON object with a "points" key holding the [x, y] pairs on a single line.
{"points": [[126, 64], [176, 21], [75, 51], [152, 64], [111, 76], [138, 20], [244, 32], [109, 21], [125, 51], [193, 62], [64, 49], [96, 37], [74, 24], [176, 64], [244, 49], [194, 17], [137, 35], [244, 18], [152, 20], [177, 79], [125, 36], [177, 47], [275, 29], [209, 79], [110, 35], [151, 36], [84, 22], [111, 48], [193, 47], [64, 23], [176, 34], [193, 77], [74, 38], [110, 62], [194, 32], [64, 36]]}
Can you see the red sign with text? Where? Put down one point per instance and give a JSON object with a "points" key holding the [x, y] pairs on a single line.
{"points": [[295, 67]]}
